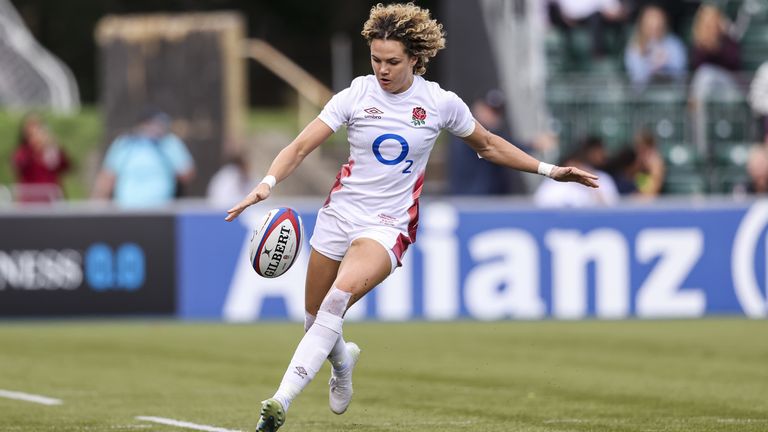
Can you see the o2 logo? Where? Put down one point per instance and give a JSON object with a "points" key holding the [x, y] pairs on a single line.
{"points": [[401, 157], [123, 269]]}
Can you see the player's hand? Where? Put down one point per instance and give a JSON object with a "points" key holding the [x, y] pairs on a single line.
{"points": [[572, 174], [259, 193]]}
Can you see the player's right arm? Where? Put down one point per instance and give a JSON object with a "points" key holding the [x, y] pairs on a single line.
{"points": [[286, 161]]}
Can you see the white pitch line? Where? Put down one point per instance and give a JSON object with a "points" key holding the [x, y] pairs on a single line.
{"points": [[183, 424], [29, 397]]}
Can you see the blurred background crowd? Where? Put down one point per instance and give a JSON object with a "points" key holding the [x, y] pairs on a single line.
{"points": [[141, 103]]}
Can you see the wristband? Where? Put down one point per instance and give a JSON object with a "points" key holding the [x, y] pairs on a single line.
{"points": [[545, 169], [270, 180]]}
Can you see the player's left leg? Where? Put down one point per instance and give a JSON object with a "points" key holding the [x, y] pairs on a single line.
{"points": [[352, 277], [364, 266]]}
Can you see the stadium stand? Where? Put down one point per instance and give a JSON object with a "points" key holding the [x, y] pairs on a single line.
{"points": [[587, 95]]}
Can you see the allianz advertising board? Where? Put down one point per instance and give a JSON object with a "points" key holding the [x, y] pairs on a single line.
{"points": [[486, 261], [58, 265]]}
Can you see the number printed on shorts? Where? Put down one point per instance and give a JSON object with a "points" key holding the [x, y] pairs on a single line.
{"points": [[404, 148]]}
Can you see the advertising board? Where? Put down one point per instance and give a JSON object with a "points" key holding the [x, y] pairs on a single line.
{"points": [[489, 261]]}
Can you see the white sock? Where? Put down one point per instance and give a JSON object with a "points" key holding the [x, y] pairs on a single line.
{"points": [[309, 357], [338, 357], [314, 347]]}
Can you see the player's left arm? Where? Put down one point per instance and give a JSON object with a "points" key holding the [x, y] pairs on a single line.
{"points": [[496, 149]]}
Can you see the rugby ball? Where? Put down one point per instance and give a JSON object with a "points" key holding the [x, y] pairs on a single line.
{"points": [[276, 242]]}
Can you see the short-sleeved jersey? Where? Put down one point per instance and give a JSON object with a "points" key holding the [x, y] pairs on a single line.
{"points": [[390, 138]]}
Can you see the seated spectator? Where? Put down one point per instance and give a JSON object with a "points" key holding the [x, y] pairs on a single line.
{"points": [[678, 13], [592, 152], [597, 15], [715, 56], [142, 168], [623, 169], [231, 183], [556, 194], [757, 170], [653, 53], [651, 167], [712, 43], [38, 162]]}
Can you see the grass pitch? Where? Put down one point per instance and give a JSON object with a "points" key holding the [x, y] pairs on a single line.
{"points": [[703, 375]]}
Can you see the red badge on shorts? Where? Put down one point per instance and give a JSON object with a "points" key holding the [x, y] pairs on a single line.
{"points": [[418, 116]]}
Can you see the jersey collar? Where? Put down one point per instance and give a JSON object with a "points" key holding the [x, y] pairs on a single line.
{"points": [[417, 79]]}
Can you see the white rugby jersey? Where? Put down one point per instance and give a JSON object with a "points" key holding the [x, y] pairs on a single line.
{"points": [[390, 138]]}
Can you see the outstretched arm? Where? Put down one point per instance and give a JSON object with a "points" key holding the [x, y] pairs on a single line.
{"points": [[495, 149], [286, 161]]}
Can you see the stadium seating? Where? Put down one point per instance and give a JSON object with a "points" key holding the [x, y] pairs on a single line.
{"points": [[688, 182], [587, 96]]}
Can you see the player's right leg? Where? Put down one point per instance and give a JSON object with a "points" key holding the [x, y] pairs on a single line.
{"points": [[319, 339], [321, 273], [367, 265], [318, 342]]}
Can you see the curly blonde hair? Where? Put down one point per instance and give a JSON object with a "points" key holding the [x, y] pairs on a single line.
{"points": [[422, 36]]}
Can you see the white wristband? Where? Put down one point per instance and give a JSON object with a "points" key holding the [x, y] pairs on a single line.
{"points": [[545, 169], [270, 180]]}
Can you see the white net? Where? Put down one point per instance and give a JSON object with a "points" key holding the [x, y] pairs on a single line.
{"points": [[29, 75]]}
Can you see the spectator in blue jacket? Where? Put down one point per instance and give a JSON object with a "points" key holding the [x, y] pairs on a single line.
{"points": [[653, 53], [146, 167]]}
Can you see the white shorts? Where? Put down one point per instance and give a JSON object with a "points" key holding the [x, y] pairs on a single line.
{"points": [[333, 235]]}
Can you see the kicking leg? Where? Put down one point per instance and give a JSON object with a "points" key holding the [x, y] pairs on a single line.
{"points": [[321, 273], [364, 266]]}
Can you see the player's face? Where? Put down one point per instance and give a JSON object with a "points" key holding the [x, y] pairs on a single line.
{"points": [[392, 66]]}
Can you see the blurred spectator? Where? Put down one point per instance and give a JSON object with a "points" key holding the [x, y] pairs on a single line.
{"points": [[715, 55], [145, 168], [552, 193], [38, 162], [592, 152], [757, 169], [712, 43], [470, 175], [651, 168], [231, 183], [653, 53], [623, 169], [678, 13], [639, 170], [597, 15]]}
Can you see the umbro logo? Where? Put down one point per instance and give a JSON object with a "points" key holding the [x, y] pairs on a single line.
{"points": [[300, 371], [373, 113]]}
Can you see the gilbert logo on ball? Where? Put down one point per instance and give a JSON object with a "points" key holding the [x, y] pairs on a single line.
{"points": [[276, 242]]}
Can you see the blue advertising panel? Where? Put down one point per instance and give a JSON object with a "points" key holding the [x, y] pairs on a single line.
{"points": [[88, 263], [486, 260]]}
